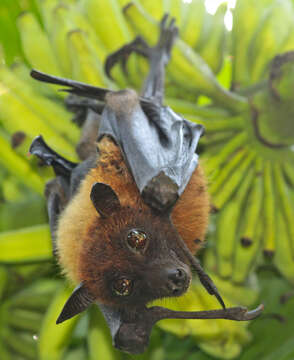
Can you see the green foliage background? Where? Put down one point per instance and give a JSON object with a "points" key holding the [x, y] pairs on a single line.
{"points": [[224, 80]]}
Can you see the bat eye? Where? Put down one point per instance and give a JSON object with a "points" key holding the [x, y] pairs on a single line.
{"points": [[137, 240], [122, 287]]}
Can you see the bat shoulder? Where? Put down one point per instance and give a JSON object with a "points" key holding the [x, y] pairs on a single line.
{"points": [[191, 213]]}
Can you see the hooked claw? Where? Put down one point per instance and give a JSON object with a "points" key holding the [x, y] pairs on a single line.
{"points": [[168, 33]]}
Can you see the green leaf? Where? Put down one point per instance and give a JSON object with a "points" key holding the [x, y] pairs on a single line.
{"points": [[99, 338], [273, 338], [26, 245], [18, 167]]}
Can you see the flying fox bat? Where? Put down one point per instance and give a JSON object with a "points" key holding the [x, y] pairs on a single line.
{"points": [[127, 221]]}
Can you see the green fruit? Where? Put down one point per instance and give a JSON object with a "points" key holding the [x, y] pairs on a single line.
{"points": [[53, 339], [25, 245], [41, 56]]}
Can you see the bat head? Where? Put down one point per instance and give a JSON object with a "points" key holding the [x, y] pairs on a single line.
{"points": [[130, 256]]}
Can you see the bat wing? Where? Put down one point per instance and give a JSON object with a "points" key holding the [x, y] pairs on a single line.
{"points": [[130, 329], [73, 87], [159, 147]]}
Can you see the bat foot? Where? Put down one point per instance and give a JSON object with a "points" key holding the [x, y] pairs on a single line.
{"points": [[121, 56], [168, 33]]}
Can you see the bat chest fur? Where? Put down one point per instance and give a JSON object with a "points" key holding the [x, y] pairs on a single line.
{"points": [[80, 214]]}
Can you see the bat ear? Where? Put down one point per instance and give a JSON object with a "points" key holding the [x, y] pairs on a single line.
{"points": [[79, 301], [104, 199]]}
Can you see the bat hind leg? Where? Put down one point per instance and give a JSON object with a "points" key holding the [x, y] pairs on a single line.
{"points": [[158, 56], [87, 146], [87, 115]]}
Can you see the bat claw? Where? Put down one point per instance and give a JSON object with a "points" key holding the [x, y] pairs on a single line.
{"points": [[250, 315], [138, 46], [60, 165], [240, 313], [168, 33], [163, 21]]}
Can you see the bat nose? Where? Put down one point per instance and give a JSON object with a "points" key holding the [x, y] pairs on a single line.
{"points": [[178, 280], [176, 275]]}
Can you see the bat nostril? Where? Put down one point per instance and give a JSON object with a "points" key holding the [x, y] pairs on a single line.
{"points": [[180, 274], [177, 291], [177, 276]]}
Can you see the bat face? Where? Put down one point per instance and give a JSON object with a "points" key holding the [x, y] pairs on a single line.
{"points": [[131, 256]]}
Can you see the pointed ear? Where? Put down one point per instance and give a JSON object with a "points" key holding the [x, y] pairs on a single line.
{"points": [[104, 199], [79, 301]]}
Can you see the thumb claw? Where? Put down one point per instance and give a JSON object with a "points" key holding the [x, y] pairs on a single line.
{"points": [[250, 315]]}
